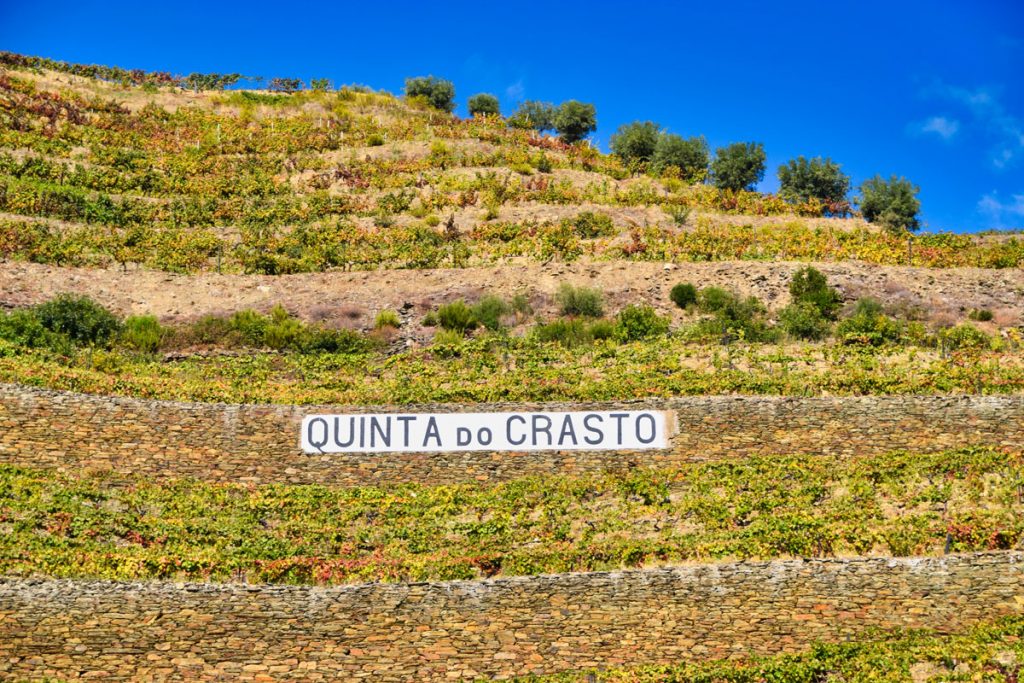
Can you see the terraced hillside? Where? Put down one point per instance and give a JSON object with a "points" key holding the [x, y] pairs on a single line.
{"points": [[259, 255]]}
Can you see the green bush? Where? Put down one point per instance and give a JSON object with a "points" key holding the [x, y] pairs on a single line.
{"points": [[567, 332], [531, 114], [447, 343], [484, 104], [964, 337], [249, 324], [589, 225], [982, 315], [732, 315], [867, 307], [680, 214], [387, 318], [582, 301], [570, 332], [683, 294], [22, 327], [892, 203], [738, 166], [803, 320], [323, 340], [869, 325], [437, 92], [690, 156], [810, 286], [79, 318], [520, 305], [603, 329], [489, 310], [635, 142], [802, 179], [457, 317], [374, 140], [543, 163], [285, 334], [639, 322], [142, 333], [278, 331], [714, 299], [575, 120], [211, 329]]}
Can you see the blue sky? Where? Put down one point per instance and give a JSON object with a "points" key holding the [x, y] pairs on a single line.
{"points": [[928, 90]]}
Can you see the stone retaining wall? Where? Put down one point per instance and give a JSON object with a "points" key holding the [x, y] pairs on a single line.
{"points": [[494, 628], [260, 443]]}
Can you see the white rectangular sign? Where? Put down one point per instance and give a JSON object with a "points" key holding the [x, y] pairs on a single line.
{"points": [[526, 431]]}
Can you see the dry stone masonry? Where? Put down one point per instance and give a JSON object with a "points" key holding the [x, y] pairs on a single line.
{"points": [[494, 628], [260, 443]]}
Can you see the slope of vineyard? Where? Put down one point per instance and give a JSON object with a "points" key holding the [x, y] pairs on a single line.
{"points": [[352, 247]]}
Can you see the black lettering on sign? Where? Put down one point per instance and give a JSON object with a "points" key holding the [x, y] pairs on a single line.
{"points": [[317, 443], [484, 436], [508, 430], [567, 430], [546, 429], [405, 420], [351, 432], [432, 433], [599, 435], [375, 429], [618, 417], [463, 436], [654, 428]]}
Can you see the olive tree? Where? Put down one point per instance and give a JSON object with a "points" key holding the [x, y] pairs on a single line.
{"points": [[892, 203]]}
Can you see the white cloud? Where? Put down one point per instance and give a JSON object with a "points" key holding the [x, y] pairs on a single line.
{"points": [[1005, 130], [1008, 214], [515, 92], [939, 125]]}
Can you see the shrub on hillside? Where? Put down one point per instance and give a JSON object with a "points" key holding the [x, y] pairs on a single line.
{"points": [[683, 294], [810, 286], [690, 156], [714, 299], [437, 92], [982, 315], [635, 142], [575, 120], [589, 225], [732, 315], [964, 336], [543, 163], [639, 322], [738, 166], [803, 179], [80, 318], [582, 301], [22, 327], [484, 104], [803, 320], [489, 311], [387, 318], [868, 325], [278, 331], [571, 332], [142, 333], [534, 115], [457, 317], [892, 203], [567, 332]]}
